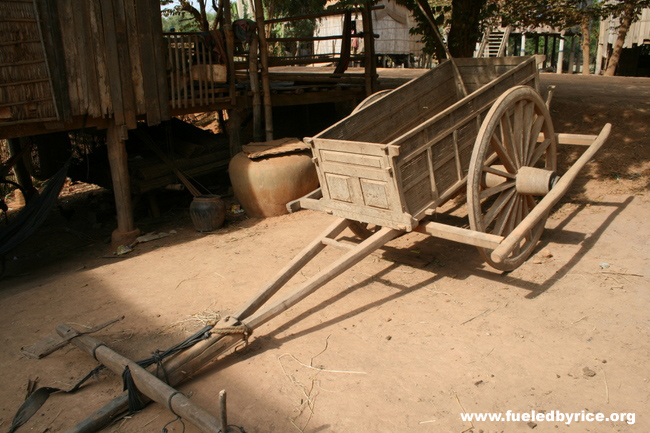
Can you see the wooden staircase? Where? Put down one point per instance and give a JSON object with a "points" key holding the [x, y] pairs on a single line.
{"points": [[494, 43]]}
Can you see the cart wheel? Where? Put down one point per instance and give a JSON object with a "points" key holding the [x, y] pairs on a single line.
{"points": [[510, 169], [363, 230], [370, 99]]}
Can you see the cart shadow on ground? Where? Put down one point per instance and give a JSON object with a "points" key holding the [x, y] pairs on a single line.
{"points": [[467, 263]]}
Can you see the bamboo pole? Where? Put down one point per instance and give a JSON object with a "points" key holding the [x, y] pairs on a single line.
{"points": [[233, 113], [255, 88], [264, 57]]}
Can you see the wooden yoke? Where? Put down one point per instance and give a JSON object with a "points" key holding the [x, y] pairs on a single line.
{"points": [[146, 383]]}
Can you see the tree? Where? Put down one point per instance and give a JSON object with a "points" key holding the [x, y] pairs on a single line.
{"points": [[465, 31], [199, 15], [562, 14], [627, 12], [462, 17]]}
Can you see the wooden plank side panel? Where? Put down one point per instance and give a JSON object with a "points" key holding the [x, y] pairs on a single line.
{"points": [[148, 63], [358, 182], [160, 65], [128, 98], [66, 20], [54, 50], [375, 123], [113, 61], [134, 56], [103, 84], [89, 58]]}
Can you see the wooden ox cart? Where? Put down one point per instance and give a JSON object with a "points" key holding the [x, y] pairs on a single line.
{"points": [[478, 124]]}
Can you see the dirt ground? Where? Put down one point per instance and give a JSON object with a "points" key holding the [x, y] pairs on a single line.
{"points": [[405, 341]]}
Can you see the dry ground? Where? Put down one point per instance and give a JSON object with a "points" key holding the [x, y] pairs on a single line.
{"points": [[396, 347]]}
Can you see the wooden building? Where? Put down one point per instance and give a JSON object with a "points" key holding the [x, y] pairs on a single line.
{"points": [[67, 65], [73, 64], [391, 22]]}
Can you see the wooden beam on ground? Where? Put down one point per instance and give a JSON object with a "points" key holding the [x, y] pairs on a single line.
{"points": [[147, 383]]}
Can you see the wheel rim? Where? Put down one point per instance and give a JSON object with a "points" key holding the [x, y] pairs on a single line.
{"points": [[506, 142]]}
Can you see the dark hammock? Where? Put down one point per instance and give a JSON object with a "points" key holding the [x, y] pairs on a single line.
{"points": [[33, 214]]}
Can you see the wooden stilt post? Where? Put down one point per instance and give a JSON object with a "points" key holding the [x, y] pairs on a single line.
{"points": [[233, 113], [23, 178], [264, 57], [253, 68], [126, 232]]}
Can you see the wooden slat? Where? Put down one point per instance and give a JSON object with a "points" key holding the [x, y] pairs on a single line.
{"points": [[66, 22], [148, 63], [51, 34], [137, 77], [99, 42], [153, 14], [112, 61], [122, 39]]}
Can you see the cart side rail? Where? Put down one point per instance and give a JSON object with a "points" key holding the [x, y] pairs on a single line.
{"points": [[400, 110], [434, 157]]}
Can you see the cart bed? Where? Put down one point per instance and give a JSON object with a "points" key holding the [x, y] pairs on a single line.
{"points": [[409, 151]]}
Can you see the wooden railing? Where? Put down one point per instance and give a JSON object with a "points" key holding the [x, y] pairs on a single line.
{"points": [[343, 57], [196, 69]]}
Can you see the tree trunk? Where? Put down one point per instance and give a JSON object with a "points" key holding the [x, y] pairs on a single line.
{"points": [[584, 28], [626, 20], [465, 28]]}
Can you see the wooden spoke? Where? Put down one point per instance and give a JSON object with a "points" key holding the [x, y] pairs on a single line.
{"points": [[504, 217], [504, 157], [497, 206], [498, 172], [541, 150], [534, 134], [529, 119], [518, 131], [497, 189], [510, 130], [509, 140]]}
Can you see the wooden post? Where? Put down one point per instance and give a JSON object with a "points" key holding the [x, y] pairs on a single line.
{"points": [[553, 61], [233, 113], [253, 68], [23, 178], [346, 44], [572, 54], [522, 51], [560, 54], [117, 159], [264, 57], [147, 383]]}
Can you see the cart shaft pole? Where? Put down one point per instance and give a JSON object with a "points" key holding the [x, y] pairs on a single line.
{"points": [[308, 253], [544, 206], [344, 263]]}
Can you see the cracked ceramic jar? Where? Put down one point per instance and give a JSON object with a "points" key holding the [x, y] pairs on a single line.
{"points": [[264, 186]]}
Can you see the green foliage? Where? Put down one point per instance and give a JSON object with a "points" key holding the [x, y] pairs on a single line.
{"points": [[442, 14], [180, 22], [555, 13]]}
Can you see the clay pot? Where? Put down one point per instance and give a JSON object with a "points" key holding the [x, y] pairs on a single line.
{"points": [[207, 212], [264, 186]]}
